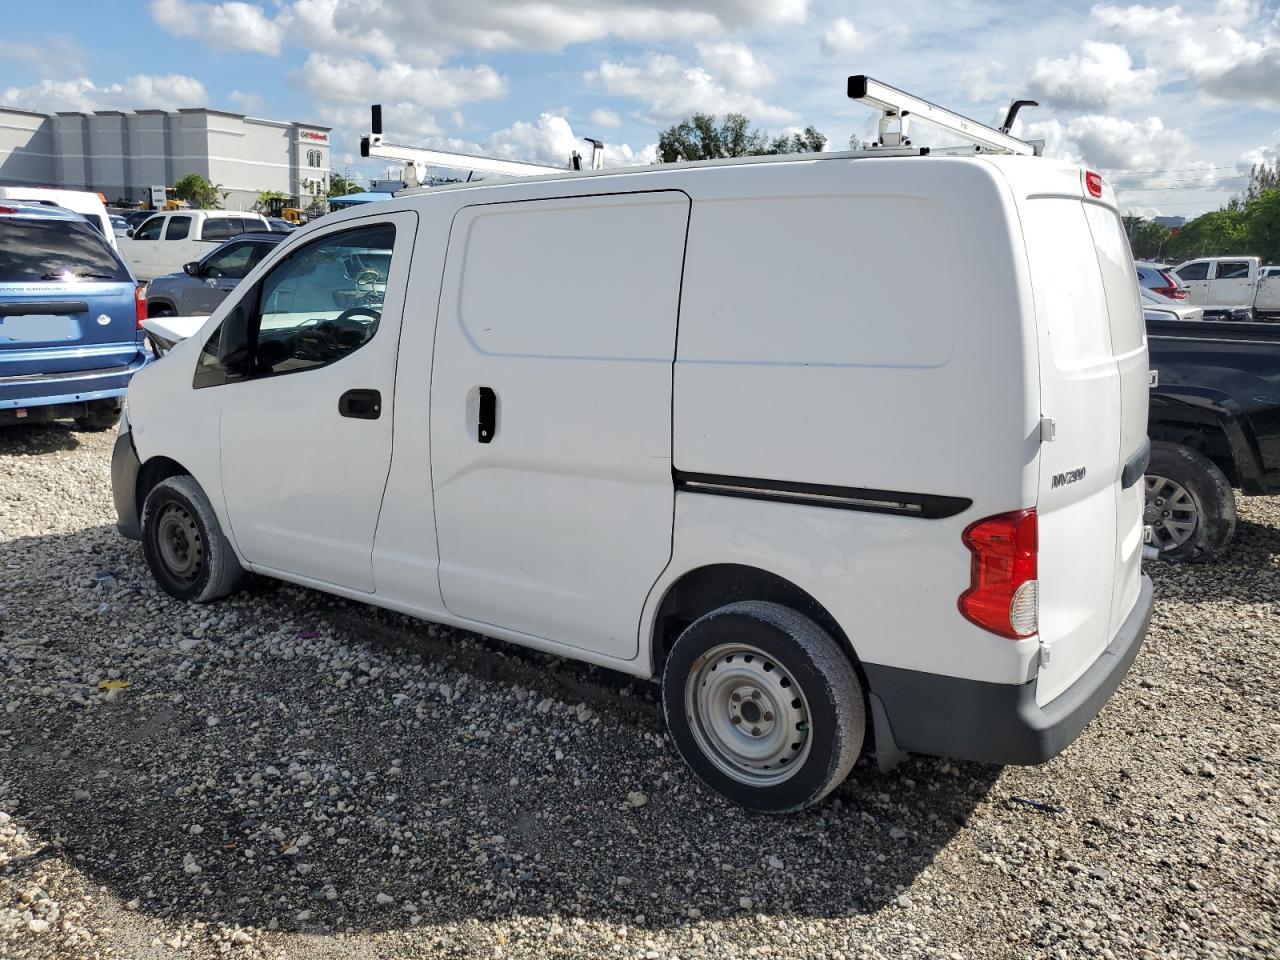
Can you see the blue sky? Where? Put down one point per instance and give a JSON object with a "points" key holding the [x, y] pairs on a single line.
{"points": [[1173, 102]]}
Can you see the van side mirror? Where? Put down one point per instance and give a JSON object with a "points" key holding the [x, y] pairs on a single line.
{"points": [[233, 345], [191, 269]]}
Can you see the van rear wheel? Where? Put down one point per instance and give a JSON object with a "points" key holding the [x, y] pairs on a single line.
{"points": [[185, 548], [1190, 506], [764, 706]]}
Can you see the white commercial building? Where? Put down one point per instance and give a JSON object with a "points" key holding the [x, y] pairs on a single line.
{"points": [[122, 155]]}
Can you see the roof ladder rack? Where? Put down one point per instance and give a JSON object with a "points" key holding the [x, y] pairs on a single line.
{"points": [[417, 159], [897, 108]]}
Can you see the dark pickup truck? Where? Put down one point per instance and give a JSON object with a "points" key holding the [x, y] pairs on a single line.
{"points": [[1214, 424]]}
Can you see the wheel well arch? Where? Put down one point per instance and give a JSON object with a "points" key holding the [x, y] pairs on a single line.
{"points": [[1205, 435], [159, 303], [151, 473], [703, 589]]}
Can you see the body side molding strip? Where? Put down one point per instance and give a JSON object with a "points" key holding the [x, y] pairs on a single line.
{"points": [[926, 505]]}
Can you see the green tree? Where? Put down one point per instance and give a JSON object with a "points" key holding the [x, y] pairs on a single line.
{"points": [[1220, 233], [265, 200], [199, 192], [340, 186], [700, 138], [1262, 225], [1150, 240]]}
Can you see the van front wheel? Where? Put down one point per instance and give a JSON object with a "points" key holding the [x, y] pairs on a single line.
{"points": [[764, 706], [185, 548]]}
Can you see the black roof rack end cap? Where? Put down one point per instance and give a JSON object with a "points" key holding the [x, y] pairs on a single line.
{"points": [[857, 87], [364, 146]]}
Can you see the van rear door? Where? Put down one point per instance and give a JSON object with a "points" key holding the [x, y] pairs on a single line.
{"points": [[1091, 358]]}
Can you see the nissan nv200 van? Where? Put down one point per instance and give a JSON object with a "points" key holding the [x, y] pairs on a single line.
{"points": [[691, 422]]}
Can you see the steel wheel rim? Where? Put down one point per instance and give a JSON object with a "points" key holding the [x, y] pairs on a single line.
{"points": [[179, 542], [748, 715], [1171, 512]]}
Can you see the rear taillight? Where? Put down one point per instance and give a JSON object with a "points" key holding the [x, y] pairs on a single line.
{"points": [[139, 307], [1003, 594], [1172, 291], [1093, 183]]}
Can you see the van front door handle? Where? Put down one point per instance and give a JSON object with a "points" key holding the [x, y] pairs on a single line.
{"points": [[361, 404]]}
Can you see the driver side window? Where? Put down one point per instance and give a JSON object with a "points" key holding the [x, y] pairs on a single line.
{"points": [[324, 301]]}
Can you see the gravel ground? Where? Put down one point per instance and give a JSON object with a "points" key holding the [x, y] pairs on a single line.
{"points": [[285, 774]]}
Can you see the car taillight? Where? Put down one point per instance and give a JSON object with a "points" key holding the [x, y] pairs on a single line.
{"points": [[1093, 183], [1172, 291], [1003, 594], [139, 307]]}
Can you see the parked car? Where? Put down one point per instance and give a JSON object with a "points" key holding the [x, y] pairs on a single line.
{"points": [[1214, 425], [89, 205], [203, 284], [119, 226], [280, 225], [803, 522], [1157, 277], [1179, 309], [1221, 283], [70, 319], [167, 240]]}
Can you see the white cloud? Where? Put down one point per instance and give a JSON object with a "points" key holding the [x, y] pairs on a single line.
{"points": [[1101, 76], [842, 38], [1230, 53], [735, 65], [252, 103], [1133, 154], [429, 31], [141, 91], [605, 118], [672, 90], [227, 26], [350, 80]]}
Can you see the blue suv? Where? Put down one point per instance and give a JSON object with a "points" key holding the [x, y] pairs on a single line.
{"points": [[70, 320]]}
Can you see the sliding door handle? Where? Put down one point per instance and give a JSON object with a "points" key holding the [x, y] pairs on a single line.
{"points": [[487, 419], [361, 404]]}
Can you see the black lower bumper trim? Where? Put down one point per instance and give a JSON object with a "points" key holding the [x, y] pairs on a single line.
{"points": [[124, 486], [998, 722]]}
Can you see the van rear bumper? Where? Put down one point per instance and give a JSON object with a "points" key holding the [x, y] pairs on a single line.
{"points": [[997, 722]]}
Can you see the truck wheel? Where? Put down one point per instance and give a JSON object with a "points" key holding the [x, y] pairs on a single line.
{"points": [[185, 548], [100, 416], [1191, 507], [764, 706]]}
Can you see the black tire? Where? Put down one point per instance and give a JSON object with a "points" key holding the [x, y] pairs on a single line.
{"points": [[101, 416], [185, 548], [794, 649], [1212, 500]]}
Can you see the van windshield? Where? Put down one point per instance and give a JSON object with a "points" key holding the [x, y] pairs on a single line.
{"points": [[35, 250]]}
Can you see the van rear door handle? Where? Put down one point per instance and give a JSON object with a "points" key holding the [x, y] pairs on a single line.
{"points": [[361, 404]]}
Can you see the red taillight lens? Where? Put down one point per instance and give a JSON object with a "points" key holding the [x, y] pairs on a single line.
{"points": [[1093, 183], [1172, 291], [1003, 592], [139, 307]]}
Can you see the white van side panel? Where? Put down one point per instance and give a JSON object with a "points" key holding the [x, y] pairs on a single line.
{"points": [[813, 303], [558, 525]]}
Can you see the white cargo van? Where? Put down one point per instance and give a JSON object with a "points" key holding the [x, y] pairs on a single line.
{"points": [[684, 421]]}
